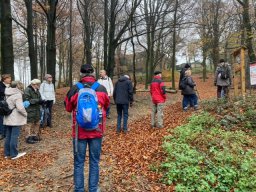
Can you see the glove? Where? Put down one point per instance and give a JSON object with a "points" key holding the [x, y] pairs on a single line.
{"points": [[26, 104]]}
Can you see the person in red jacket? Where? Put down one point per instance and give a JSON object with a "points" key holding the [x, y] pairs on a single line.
{"points": [[91, 138], [157, 91]]}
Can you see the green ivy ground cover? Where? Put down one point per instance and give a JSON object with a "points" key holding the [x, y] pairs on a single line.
{"points": [[203, 156]]}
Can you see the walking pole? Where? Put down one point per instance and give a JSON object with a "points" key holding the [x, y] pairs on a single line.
{"points": [[198, 94]]}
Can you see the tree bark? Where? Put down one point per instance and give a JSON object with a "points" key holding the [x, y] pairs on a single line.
{"points": [[7, 56], [31, 45]]}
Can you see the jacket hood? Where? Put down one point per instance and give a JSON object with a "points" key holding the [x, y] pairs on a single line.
{"points": [[12, 91], [123, 78]]}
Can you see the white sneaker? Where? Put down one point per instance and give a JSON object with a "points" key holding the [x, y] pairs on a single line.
{"points": [[19, 155], [6, 157]]}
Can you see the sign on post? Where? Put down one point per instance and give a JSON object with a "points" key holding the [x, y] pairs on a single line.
{"points": [[253, 74]]}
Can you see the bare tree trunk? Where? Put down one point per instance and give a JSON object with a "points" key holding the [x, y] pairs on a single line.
{"points": [[174, 43], [31, 44], [7, 57], [70, 46], [106, 15]]}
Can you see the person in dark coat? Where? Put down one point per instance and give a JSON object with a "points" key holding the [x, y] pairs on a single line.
{"points": [[6, 80], [189, 93], [222, 84], [123, 97], [33, 96], [182, 73]]}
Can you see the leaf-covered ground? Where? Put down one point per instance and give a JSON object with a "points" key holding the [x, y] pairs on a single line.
{"points": [[127, 161]]}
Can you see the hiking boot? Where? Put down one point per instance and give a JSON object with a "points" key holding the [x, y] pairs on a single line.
{"points": [[185, 109], [196, 107], [153, 126], [160, 126], [2, 137], [19, 155], [36, 138], [30, 140], [108, 116]]}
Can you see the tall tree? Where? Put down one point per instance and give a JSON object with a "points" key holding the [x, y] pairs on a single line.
{"points": [[248, 28], [50, 9], [31, 44], [7, 56]]}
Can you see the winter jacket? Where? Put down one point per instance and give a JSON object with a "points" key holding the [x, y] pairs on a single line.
{"points": [[47, 91], [71, 105], [107, 83], [123, 91], [182, 75], [34, 98], [222, 82], [18, 116], [190, 84], [157, 90], [2, 90]]}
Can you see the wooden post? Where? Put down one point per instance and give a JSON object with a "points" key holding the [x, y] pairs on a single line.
{"points": [[242, 57]]}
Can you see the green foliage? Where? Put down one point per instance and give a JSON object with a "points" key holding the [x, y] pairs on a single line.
{"points": [[201, 156]]}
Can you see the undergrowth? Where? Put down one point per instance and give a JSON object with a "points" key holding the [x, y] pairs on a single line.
{"points": [[202, 156]]}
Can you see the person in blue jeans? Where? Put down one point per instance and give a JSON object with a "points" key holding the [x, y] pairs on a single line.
{"points": [[84, 138], [188, 92], [123, 97], [15, 120], [6, 80]]}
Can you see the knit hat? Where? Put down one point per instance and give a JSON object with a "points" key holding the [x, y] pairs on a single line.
{"points": [[157, 72], [35, 82], [47, 76], [187, 65], [86, 68]]}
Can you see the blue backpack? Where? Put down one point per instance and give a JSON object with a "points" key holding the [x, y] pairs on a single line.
{"points": [[88, 113]]}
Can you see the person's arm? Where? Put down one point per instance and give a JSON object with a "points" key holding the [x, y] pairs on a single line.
{"points": [[111, 87], [27, 97], [20, 108], [41, 90], [130, 91], [190, 82], [114, 92], [71, 99], [163, 91], [216, 76]]}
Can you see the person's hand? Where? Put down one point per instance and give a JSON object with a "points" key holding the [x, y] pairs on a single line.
{"points": [[26, 104], [54, 101], [215, 84]]}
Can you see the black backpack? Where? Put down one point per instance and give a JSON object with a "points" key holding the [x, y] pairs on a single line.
{"points": [[4, 108], [183, 83], [224, 72]]}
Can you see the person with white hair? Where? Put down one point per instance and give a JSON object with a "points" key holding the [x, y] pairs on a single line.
{"points": [[48, 94], [33, 96], [108, 84]]}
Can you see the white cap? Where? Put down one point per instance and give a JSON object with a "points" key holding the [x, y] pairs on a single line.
{"points": [[35, 81]]}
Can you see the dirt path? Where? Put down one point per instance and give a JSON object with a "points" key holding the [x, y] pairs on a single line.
{"points": [[125, 161]]}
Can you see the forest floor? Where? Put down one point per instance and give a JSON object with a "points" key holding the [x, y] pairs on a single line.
{"points": [[126, 159]]}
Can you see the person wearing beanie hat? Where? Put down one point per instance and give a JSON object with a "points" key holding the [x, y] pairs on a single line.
{"points": [[33, 96], [91, 139], [48, 94], [157, 91]]}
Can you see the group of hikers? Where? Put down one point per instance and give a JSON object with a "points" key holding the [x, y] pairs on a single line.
{"points": [[19, 107], [89, 102]]}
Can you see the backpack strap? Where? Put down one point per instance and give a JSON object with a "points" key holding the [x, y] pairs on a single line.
{"points": [[80, 85], [95, 85]]}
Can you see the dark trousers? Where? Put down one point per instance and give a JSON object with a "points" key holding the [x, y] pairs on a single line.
{"points": [[49, 105], [2, 127], [122, 110], [222, 91]]}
